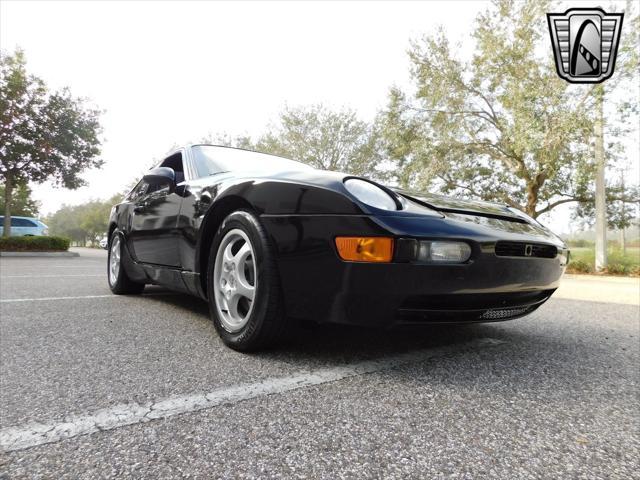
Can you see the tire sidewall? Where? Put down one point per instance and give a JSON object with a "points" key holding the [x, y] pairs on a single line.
{"points": [[123, 284], [249, 224]]}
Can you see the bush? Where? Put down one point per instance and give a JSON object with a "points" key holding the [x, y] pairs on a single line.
{"points": [[579, 266], [34, 244], [618, 269]]}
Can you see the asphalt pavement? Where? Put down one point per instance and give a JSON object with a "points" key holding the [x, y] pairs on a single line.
{"points": [[101, 386]]}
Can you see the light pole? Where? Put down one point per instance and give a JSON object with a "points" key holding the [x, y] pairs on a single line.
{"points": [[601, 207]]}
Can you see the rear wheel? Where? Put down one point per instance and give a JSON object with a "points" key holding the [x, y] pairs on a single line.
{"points": [[119, 281], [243, 285]]}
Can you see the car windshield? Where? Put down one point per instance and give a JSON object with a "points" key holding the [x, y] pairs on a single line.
{"points": [[210, 160]]}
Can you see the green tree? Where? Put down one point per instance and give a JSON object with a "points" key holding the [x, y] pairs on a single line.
{"points": [[23, 204], [501, 126], [44, 136], [320, 137], [324, 139], [620, 213], [65, 222], [95, 218], [84, 222]]}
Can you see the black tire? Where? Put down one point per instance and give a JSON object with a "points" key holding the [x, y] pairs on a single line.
{"points": [[266, 322], [121, 284]]}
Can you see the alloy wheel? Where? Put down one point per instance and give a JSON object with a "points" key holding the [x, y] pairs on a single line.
{"points": [[114, 260], [234, 280]]}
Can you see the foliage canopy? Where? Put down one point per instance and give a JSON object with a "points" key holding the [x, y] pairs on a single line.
{"points": [[501, 126], [44, 136]]}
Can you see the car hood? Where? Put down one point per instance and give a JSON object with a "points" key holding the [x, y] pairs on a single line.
{"points": [[333, 179], [440, 203], [459, 205]]}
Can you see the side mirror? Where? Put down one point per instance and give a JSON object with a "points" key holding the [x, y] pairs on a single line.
{"points": [[161, 176]]}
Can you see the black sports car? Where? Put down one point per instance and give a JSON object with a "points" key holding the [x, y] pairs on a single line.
{"points": [[267, 240]]}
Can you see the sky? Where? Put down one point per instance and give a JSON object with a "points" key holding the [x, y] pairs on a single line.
{"points": [[168, 73]]}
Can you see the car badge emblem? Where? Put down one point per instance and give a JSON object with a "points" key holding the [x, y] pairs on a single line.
{"points": [[585, 43], [528, 250]]}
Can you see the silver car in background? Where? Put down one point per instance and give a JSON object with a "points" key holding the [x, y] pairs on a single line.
{"points": [[25, 227]]}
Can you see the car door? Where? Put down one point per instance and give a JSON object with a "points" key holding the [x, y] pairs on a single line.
{"points": [[21, 227], [17, 227], [153, 232]]}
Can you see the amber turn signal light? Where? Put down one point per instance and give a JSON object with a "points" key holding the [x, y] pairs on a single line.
{"points": [[365, 249]]}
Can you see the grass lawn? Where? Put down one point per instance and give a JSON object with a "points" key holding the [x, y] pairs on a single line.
{"points": [[582, 260]]}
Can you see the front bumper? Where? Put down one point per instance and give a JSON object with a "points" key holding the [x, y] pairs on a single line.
{"points": [[319, 286]]}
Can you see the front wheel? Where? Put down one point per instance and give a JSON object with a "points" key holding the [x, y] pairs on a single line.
{"points": [[243, 285], [119, 281]]}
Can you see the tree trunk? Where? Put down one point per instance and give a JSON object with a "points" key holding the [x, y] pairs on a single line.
{"points": [[601, 207], [623, 243], [8, 193], [532, 201]]}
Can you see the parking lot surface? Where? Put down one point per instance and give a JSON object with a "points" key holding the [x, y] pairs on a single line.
{"points": [[101, 386]]}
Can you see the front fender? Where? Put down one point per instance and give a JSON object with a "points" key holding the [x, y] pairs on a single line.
{"points": [[274, 197], [207, 204]]}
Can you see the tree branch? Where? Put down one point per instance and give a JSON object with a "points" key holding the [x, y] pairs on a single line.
{"points": [[551, 206]]}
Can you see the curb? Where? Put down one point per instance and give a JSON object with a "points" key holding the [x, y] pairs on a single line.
{"points": [[39, 254]]}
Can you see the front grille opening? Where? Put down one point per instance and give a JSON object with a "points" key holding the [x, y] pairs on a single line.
{"points": [[463, 308], [522, 249], [462, 316], [504, 313], [475, 301]]}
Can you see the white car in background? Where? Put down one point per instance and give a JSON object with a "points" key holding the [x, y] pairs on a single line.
{"points": [[104, 242]]}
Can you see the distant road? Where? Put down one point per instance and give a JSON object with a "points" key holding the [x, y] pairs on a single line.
{"points": [[594, 288], [90, 252]]}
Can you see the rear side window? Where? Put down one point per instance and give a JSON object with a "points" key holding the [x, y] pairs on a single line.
{"points": [[22, 222]]}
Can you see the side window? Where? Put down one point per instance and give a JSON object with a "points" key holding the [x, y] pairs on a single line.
{"points": [[143, 188], [175, 162], [157, 187], [22, 222], [139, 190]]}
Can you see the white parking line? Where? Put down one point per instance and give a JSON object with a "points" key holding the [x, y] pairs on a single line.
{"points": [[44, 265], [55, 276], [86, 265], [33, 434], [80, 297], [46, 299]]}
